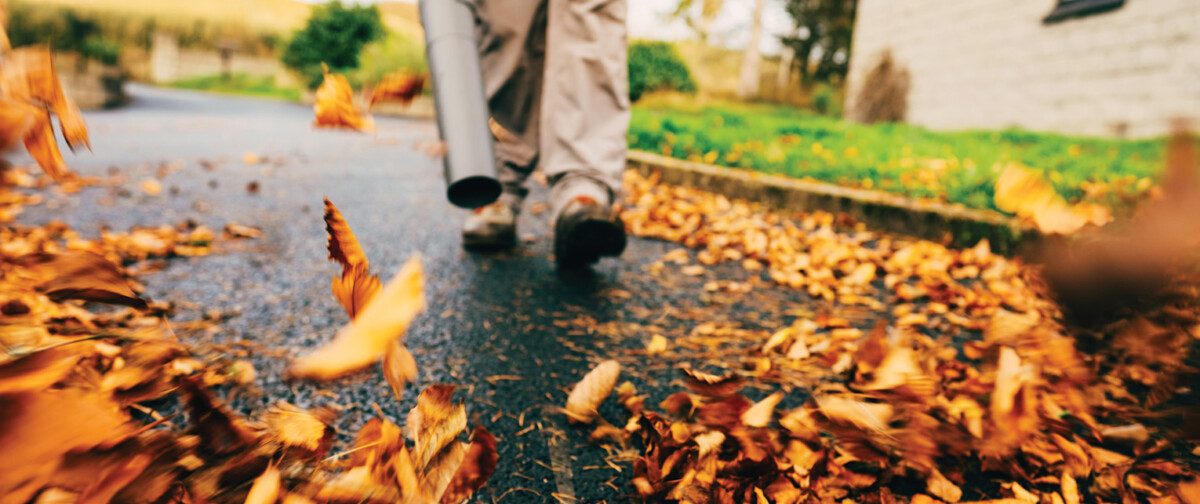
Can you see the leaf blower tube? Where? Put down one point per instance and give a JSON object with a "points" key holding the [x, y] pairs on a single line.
{"points": [[462, 112]]}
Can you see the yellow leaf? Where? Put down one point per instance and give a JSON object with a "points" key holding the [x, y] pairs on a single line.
{"points": [[592, 390], [943, 488], [367, 337], [266, 487], [1070, 490], [759, 415], [864, 415], [151, 187], [657, 345], [293, 426], [334, 106], [435, 423]]}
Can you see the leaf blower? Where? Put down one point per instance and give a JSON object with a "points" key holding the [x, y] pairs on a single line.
{"points": [[462, 111]]}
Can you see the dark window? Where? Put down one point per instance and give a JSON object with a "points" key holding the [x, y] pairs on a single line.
{"points": [[1067, 9]]}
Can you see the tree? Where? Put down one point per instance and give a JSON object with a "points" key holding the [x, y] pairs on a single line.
{"points": [[335, 35], [824, 29], [702, 23], [751, 57]]}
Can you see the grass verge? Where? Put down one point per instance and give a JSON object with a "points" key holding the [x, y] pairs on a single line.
{"points": [[956, 167], [240, 84]]}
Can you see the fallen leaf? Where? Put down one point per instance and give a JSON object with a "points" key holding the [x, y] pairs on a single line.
{"points": [[761, 413], [1070, 490], [657, 345], [295, 427], [151, 187], [266, 487], [711, 385], [368, 336], [476, 468], [435, 423], [864, 415], [591, 391], [334, 105], [84, 276], [942, 488]]}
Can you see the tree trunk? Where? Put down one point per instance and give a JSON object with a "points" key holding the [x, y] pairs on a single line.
{"points": [[708, 14], [785, 72], [752, 58]]}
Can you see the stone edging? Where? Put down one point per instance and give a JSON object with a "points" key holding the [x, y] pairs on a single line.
{"points": [[951, 224]]}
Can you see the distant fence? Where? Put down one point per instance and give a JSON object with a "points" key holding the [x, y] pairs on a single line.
{"points": [[167, 62]]}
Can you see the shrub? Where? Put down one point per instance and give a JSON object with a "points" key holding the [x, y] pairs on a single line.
{"points": [[657, 66], [101, 50], [334, 35], [826, 101]]}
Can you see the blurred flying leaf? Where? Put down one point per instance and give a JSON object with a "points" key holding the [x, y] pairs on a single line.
{"points": [[398, 87], [82, 275], [334, 106], [366, 339]]}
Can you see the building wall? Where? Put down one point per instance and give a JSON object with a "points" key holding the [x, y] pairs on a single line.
{"points": [[993, 64], [167, 62]]}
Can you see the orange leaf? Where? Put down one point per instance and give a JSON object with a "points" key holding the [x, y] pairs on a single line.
{"points": [[16, 120], [82, 275], [400, 87], [293, 426], [592, 390], [40, 142], [368, 336], [760, 414], [266, 487], [435, 423], [355, 289], [399, 367], [343, 245], [476, 468], [334, 106]]}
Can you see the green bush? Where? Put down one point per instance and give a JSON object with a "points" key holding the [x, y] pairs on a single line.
{"points": [[101, 50], [657, 66], [825, 100], [335, 35], [240, 84], [394, 52]]}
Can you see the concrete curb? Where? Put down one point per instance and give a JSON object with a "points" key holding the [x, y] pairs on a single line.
{"points": [[950, 224]]}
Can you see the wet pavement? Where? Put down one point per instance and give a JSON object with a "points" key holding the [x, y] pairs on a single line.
{"points": [[510, 329]]}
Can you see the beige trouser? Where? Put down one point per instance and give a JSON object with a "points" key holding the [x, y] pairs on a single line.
{"points": [[556, 78]]}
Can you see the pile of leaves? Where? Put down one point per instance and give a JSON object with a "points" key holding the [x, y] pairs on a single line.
{"points": [[972, 389]]}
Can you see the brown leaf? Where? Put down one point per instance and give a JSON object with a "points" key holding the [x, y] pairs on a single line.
{"points": [[367, 338], [84, 276], [266, 487], [334, 106], [219, 430], [476, 468], [435, 423], [711, 385], [343, 245], [591, 391], [399, 368], [399, 87]]}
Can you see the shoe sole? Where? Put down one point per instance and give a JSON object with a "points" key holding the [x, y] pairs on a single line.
{"points": [[501, 242], [587, 236]]}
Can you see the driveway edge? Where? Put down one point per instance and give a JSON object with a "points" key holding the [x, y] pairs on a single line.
{"points": [[953, 225]]}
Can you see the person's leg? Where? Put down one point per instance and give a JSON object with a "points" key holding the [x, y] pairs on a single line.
{"points": [[585, 122], [512, 38], [512, 41]]}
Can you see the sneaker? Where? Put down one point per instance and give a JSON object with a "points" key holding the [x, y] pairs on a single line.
{"points": [[586, 231], [491, 227]]}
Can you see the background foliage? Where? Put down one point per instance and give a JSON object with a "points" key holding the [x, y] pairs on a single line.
{"points": [[657, 66], [334, 35]]}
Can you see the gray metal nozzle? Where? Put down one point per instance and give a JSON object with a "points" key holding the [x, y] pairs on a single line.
{"points": [[462, 111]]}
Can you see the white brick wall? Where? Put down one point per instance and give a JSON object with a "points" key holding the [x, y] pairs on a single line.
{"points": [[994, 64]]}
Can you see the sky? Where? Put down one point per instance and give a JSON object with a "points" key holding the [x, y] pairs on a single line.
{"points": [[648, 19]]}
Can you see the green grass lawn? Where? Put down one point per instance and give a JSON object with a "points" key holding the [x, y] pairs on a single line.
{"points": [[954, 167], [240, 84]]}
